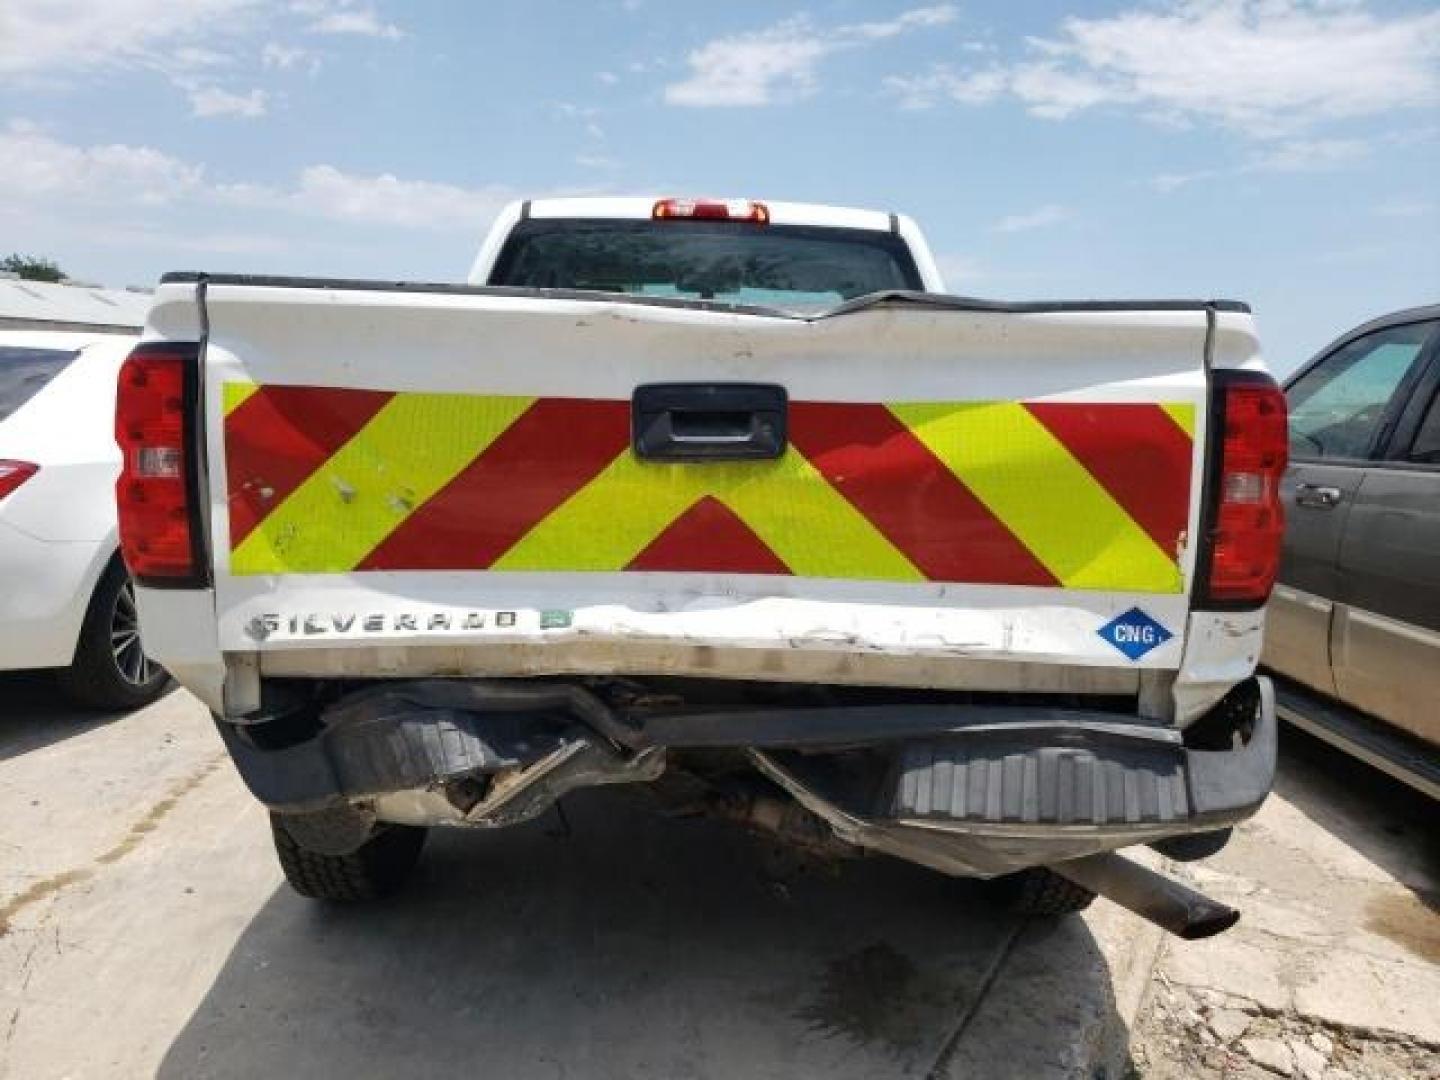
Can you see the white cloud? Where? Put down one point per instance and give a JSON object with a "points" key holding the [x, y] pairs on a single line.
{"points": [[1284, 156], [41, 167], [780, 63], [345, 17], [1266, 68], [1174, 181], [41, 170], [63, 37], [1055, 93], [1039, 218], [212, 101], [943, 84], [1308, 155], [938, 15], [752, 69], [607, 78], [362, 22], [285, 57], [328, 192]]}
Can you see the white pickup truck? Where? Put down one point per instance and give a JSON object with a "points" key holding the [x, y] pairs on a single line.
{"points": [[729, 502]]}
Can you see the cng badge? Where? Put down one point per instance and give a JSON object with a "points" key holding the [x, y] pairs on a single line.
{"points": [[1134, 633]]}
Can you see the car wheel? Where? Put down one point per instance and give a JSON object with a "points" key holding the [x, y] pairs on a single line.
{"points": [[1193, 847], [110, 669], [376, 868], [1038, 891]]}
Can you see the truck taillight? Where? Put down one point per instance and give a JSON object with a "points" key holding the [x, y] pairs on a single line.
{"points": [[15, 473], [712, 210], [155, 492], [1246, 520]]}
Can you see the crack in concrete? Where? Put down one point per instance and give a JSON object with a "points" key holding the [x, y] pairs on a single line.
{"points": [[24, 984], [133, 836], [1364, 1031], [987, 982]]}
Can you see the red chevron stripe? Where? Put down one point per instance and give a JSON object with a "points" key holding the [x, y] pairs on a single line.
{"points": [[1137, 453], [911, 497], [709, 538], [556, 447], [280, 435]]}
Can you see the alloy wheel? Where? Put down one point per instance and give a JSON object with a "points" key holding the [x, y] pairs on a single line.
{"points": [[134, 666]]}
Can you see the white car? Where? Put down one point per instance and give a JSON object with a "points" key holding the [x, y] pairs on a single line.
{"points": [[66, 601]]}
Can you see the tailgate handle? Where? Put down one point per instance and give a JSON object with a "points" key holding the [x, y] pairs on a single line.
{"points": [[708, 421]]}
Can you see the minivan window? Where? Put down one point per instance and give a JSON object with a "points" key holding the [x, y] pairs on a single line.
{"points": [[24, 372], [782, 266], [1336, 407]]}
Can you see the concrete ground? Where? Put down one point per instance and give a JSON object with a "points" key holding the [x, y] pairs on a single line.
{"points": [[1334, 968], [145, 930]]}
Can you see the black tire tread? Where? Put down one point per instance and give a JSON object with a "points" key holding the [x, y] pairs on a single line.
{"points": [[91, 680], [1195, 846], [1042, 892], [375, 869]]}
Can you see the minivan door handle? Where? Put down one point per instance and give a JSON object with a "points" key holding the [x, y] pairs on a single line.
{"points": [[1317, 496]]}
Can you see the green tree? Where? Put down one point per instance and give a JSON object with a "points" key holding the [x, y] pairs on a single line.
{"points": [[33, 267]]}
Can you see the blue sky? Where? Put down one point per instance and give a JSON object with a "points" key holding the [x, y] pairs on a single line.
{"points": [[1283, 152]]}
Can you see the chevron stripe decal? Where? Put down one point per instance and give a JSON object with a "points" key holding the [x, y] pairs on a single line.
{"points": [[1075, 495]]}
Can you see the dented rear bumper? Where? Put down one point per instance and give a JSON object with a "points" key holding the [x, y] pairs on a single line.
{"points": [[968, 789]]}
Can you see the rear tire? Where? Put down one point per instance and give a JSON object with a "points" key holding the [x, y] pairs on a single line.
{"points": [[1195, 846], [110, 669], [376, 868], [1039, 891]]}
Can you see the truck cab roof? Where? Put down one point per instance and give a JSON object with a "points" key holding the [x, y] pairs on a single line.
{"points": [[640, 207]]}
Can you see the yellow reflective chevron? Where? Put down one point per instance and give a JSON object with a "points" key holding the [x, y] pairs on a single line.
{"points": [[1183, 413], [235, 394], [1032, 483], [1084, 495], [412, 447], [786, 502]]}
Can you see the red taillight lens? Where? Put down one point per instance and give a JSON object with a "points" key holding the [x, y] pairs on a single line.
{"points": [[152, 494], [15, 473], [712, 210], [1247, 522]]}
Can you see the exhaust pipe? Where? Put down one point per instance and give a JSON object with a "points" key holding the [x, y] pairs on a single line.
{"points": [[1164, 901]]}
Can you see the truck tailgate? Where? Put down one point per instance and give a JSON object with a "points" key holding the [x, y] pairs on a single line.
{"points": [[443, 480]]}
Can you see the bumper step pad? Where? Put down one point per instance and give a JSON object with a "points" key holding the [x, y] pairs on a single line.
{"points": [[1007, 781]]}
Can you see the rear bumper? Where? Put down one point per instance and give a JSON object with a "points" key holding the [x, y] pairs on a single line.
{"points": [[1001, 787]]}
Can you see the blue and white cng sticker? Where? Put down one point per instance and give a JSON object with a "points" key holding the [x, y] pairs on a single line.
{"points": [[1134, 633]]}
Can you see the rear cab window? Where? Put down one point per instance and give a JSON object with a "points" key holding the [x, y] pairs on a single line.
{"points": [[790, 267], [25, 371]]}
